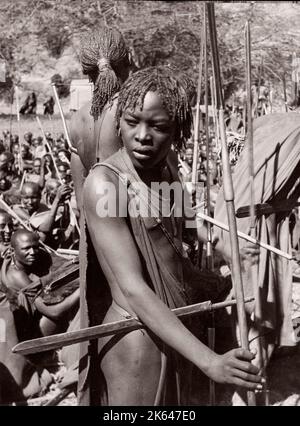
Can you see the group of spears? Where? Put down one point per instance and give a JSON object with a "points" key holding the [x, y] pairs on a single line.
{"points": [[160, 308]]}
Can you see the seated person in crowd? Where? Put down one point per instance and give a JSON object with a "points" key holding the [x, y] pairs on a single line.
{"points": [[35, 174], [26, 157], [30, 310], [13, 195], [65, 172], [38, 215], [37, 147]]}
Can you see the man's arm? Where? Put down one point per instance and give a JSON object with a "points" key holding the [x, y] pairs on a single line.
{"points": [[78, 174], [55, 312], [62, 192], [118, 255]]}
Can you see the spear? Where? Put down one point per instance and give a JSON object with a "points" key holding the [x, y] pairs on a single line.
{"points": [[250, 127], [228, 192], [19, 131], [253, 269], [62, 116], [209, 251], [197, 125], [197, 119], [246, 237], [209, 254]]}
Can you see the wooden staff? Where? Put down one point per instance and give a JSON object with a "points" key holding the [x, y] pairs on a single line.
{"points": [[62, 116], [209, 254], [253, 269], [57, 341], [229, 193], [250, 128], [259, 77], [209, 246], [246, 237], [68, 252], [23, 180], [19, 131], [197, 119], [57, 171]]}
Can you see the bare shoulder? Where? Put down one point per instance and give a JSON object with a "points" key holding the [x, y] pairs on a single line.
{"points": [[16, 278], [80, 120], [100, 181]]}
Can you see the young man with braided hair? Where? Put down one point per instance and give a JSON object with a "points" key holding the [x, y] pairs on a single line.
{"points": [[141, 259], [105, 59]]}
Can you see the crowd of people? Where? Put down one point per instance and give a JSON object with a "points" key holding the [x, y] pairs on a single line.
{"points": [[38, 214], [135, 133]]}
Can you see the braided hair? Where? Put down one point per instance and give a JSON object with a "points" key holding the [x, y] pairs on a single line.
{"points": [[103, 55], [174, 92]]}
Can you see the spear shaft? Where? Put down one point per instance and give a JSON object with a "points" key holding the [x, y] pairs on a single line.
{"points": [[197, 118], [229, 193], [253, 269], [20, 165], [62, 116]]}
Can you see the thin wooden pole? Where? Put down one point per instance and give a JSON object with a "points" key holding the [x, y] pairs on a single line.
{"points": [[246, 237], [198, 112], [253, 269], [209, 253], [19, 130], [209, 247], [229, 193], [62, 116]]}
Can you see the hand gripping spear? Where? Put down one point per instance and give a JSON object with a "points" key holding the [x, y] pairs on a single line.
{"points": [[228, 192]]}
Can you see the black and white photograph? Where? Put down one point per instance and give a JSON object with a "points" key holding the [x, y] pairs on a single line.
{"points": [[149, 206]]}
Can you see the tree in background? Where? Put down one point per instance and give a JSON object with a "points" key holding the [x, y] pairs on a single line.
{"points": [[158, 32]]}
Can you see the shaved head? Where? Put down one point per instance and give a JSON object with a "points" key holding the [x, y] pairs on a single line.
{"points": [[21, 235], [30, 188], [25, 245], [31, 197]]}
